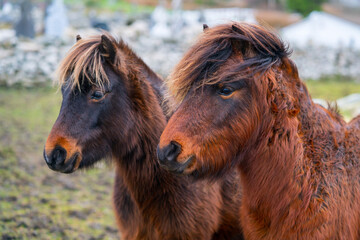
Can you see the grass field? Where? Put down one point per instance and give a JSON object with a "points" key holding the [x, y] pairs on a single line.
{"points": [[332, 89], [37, 203]]}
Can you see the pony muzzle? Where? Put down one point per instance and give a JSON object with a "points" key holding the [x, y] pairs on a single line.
{"points": [[62, 156], [168, 158], [57, 160]]}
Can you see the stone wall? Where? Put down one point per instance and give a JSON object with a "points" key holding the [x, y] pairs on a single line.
{"points": [[30, 62], [317, 62]]}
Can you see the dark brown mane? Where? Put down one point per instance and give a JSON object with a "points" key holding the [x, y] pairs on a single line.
{"points": [[215, 46]]}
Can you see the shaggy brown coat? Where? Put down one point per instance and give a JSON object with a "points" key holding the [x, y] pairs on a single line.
{"points": [[111, 108], [240, 103]]}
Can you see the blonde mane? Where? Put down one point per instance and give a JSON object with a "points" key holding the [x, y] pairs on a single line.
{"points": [[86, 61]]}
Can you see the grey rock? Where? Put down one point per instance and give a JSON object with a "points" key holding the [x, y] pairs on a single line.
{"points": [[25, 26], [56, 20]]}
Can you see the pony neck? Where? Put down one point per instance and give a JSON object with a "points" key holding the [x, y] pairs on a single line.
{"points": [[281, 169], [138, 162], [144, 177], [267, 173], [154, 79], [135, 153], [277, 176]]}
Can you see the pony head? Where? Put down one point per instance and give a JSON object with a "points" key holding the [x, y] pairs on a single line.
{"points": [[229, 88], [100, 86]]}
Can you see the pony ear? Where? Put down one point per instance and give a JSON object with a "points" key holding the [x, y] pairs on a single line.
{"points": [[205, 27], [78, 38], [107, 48]]}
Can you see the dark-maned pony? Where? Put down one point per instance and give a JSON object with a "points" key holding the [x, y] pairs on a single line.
{"points": [[241, 103], [111, 108]]}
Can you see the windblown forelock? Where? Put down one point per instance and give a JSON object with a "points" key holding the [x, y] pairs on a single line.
{"points": [[257, 48], [249, 68], [84, 61]]}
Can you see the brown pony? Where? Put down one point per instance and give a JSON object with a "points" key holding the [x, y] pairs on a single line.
{"points": [[241, 103], [111, 108]]}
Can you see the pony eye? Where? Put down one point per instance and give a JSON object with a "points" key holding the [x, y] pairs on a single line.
{"points": [[97, 95], [225, 91]]}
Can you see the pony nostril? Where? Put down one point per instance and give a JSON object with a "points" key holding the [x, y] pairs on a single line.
{"points": [[58, 156], [169, 152], [172, 151]]}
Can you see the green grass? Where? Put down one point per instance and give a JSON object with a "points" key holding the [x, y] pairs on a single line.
{"points": [[332, 89], [113, 6]]}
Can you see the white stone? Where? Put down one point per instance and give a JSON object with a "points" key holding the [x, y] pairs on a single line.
{"points": [[352, 99], [45, 68], [29, 67], [216, 16], [29, 46], [321, 102], [7, 35], [323, 29], [160, 18], [56, 21], [161, 30]]}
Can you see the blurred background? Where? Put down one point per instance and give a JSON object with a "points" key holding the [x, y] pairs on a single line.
{"points": [[37, 203]]}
